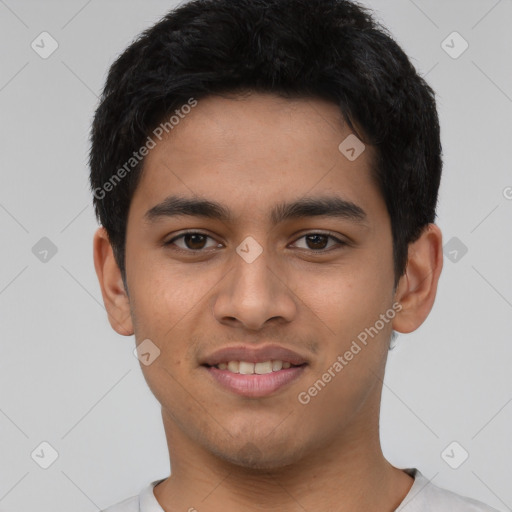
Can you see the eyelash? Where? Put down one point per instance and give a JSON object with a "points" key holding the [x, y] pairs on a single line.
{"points": [[340, 243]]}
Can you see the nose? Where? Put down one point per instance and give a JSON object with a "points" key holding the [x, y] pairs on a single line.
{"points": [[253, 294]]}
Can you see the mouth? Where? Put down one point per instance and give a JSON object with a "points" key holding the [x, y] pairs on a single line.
{"points": [[255, 380], [254, 371], [248, 368]]}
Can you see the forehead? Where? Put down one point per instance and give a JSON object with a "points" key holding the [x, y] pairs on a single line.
{"points": [[253, 151]]}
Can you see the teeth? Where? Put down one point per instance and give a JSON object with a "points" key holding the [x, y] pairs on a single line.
{"points": [[234, 366], [262, 368], [246, 368]]}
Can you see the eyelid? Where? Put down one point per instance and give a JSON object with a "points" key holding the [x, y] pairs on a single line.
{"points": [[329, 234], [183, 234]]}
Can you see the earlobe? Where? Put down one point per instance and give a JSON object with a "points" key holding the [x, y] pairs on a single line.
{"points": [[417, 288], [114, 294]]}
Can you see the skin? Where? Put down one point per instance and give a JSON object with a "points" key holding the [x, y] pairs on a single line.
{"points": [[230, 452]]}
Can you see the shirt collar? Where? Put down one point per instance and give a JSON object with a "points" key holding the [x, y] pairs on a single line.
{"points": [[149, 503], [147, 499]]}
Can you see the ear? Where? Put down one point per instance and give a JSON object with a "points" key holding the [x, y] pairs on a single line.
{"points": [[416, 290], [114, 294]]}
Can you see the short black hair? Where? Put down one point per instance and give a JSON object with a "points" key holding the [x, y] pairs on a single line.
{"points": [[327, 49]]}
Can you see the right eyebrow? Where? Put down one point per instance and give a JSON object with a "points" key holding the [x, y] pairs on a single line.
{"points": [[174, 206]]}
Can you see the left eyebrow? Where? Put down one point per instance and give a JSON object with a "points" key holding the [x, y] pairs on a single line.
{"points": [[325, 206], [330, 206]]}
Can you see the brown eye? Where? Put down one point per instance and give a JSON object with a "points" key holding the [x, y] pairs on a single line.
{"points": [[192, 241], [319, 241]]}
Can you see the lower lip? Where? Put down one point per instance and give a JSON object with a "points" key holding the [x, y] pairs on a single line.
{"points": [[255, 386]]}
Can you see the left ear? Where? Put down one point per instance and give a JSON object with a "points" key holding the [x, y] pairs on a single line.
{"points": [[417, 288]]}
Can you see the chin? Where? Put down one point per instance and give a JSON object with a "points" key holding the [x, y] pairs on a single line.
{"points": [[252, 457]]}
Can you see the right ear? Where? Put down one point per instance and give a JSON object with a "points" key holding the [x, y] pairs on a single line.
{"points": [[109, 275]]}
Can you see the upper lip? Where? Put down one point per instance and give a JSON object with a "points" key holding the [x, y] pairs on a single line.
{"points": [[252, 354]]}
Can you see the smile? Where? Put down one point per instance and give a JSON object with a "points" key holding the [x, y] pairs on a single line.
{"points": [[254, 380], [246, 368]]}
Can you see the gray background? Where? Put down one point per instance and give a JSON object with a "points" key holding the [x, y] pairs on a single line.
{"points": [[68, 379]]}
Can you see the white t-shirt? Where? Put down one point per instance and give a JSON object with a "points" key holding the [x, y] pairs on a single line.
{"points": [[423, 496]]}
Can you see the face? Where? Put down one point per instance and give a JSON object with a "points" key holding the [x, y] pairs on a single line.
{"points": [[308, 279]]}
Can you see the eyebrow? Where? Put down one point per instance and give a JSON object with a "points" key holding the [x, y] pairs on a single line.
{"points": [[324, 206]]}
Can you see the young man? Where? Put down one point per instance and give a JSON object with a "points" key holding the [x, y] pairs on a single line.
{"points": [[266, 175]]}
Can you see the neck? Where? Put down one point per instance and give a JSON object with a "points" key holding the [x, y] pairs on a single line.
{"points": [[350, 473]]}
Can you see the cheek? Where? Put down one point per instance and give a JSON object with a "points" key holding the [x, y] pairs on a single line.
{"points": [[345, 299], [167, 304], [162, 297]]}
